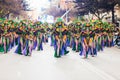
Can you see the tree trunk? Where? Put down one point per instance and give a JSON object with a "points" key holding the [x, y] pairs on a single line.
{"points": [[8, 15], [99, 18], [113, 15]]}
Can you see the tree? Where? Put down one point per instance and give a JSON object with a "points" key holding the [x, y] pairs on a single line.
{"points": [[55, 11], [96, 7], [11, 6]]}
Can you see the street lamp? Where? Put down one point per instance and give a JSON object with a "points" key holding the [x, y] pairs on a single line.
{"points": [[67, 11]]}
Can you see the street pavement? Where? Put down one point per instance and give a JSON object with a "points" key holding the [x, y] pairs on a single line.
{"points": [[43, 66]]}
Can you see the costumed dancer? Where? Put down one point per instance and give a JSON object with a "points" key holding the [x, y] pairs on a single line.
{"points": [[6, 37], [64, 40], [91, 44], [57, 41], [73, 44], [29, 43], [1, 37], [77, 36], [40, 38], [46, 34], [35, 32], [85, 40], [11, 37], [21, 39], [60, 39]]}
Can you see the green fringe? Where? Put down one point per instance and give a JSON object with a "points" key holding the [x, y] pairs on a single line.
{"points": [[74, 48], [55, 55], [1, 48], [19, 50]]}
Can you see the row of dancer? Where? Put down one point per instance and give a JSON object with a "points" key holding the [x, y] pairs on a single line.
{"points": [[26, 35], [87, 38]]}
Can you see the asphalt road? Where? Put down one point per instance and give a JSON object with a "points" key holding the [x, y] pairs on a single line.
{"points": [[43, 66]]}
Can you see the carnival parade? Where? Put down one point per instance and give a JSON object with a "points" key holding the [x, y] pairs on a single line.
{"points": [[59, 39], [84, 38]]}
